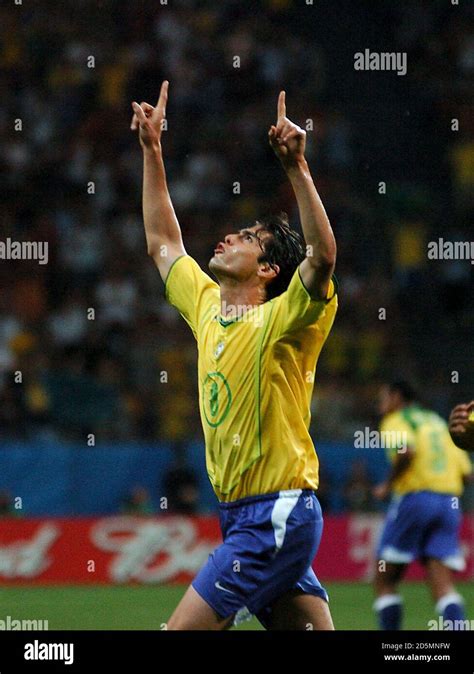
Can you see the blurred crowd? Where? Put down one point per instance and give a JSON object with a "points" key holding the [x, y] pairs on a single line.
{"points": [[88, 347]]}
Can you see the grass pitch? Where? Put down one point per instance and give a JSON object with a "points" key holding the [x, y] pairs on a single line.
{"points": [[148, 608]]}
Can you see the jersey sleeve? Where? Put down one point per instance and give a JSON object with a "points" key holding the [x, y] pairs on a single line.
{"points": [[190, 290], [296, 309]]}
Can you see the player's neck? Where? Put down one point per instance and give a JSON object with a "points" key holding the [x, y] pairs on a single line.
{"points": [[237, 298]]}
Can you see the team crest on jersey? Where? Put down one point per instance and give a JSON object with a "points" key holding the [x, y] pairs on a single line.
{"points": [[219, 349], [216, 398]]}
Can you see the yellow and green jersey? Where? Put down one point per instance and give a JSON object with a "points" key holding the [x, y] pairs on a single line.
{"points": [[256, 377], [437, 464]]}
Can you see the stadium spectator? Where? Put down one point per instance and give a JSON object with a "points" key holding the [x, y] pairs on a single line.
{"points": [[7, 507], [138, 502], [181, 490], [358, 489]]}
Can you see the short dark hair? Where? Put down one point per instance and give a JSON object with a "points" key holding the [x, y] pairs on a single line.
{"points": [[406, 391], [284, 248]]}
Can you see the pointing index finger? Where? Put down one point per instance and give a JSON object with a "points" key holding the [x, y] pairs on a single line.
{"points": [[281, 105], [163, 99]]}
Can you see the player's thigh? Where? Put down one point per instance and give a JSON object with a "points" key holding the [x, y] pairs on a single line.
{"points": [[404, 529], [193, 613], [439, 578], [442, 541], [295, 610], [387, 576]]}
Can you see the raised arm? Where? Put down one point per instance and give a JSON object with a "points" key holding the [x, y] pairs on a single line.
{"points": [[288, 141], [163, 234]]}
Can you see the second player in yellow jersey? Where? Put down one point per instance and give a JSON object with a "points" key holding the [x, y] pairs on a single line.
{"points": [[436, 464], [424, 519]]}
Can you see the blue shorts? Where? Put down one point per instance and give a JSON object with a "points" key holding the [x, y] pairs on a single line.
{"points": [[269, 545], [422, 525]]}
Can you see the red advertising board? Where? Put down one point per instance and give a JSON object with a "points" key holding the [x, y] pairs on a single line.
{"points": [[167, 549], [349, 542]]}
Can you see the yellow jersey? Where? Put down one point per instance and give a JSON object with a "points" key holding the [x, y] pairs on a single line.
{"points": [[437, 464], [256, 377]]}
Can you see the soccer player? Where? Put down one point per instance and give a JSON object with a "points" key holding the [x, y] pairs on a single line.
{"points": [[461, 425], [259, 330], [424, 518]]}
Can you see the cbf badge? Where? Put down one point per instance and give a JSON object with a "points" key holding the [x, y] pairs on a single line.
{"points": [[219, 349], [216, 398]]}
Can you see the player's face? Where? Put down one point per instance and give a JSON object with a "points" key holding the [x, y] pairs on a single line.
{"points": [[388, 401], [237, 256]]}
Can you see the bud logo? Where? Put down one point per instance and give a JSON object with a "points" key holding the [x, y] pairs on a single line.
{"points": [[150, 551], [27, 559]]}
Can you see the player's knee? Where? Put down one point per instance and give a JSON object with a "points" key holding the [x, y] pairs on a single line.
{"points": [[175, 623], [185, 620]]}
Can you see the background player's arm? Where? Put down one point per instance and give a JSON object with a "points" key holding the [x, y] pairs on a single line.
{"points": [[162, 230], [399, 466], [288, 141], [461, 427]]}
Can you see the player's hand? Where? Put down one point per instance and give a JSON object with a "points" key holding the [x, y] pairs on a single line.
{"points": [[287, 139], [461, 427], [381, 491], [149, 120]]}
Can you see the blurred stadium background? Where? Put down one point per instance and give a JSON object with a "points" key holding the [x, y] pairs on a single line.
{"points": [[104, 422]]}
